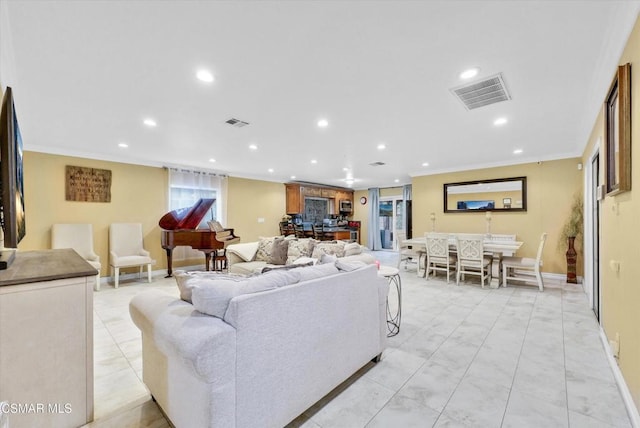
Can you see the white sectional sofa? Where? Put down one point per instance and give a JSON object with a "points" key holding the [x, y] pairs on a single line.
{"points": [[274, 252], [269, 354]]}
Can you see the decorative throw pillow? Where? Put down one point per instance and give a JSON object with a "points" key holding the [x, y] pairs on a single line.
{"points": [[334, 248], [265, 247], [188, 280], [212, 297], [300, 248], [279, 250], [352, 248]]}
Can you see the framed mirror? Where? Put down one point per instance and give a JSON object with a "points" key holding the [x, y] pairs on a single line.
{"points": [[500, 194]]}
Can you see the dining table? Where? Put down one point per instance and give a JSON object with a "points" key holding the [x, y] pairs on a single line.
{"points": [[497, 246]]}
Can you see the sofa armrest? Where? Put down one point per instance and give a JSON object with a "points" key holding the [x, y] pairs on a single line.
{"points": [[205, 344]]}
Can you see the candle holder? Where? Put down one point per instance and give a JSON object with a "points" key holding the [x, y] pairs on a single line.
{"points": [[433, 221], [488, 221]]}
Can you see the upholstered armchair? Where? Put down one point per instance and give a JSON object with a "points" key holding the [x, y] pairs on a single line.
{"points": [[126, 249], [79, 237]]}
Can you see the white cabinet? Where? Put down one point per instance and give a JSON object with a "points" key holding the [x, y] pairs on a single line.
{"points": [[46, 339]]}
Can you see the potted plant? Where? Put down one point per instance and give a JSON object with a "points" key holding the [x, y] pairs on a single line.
{"points": [[570, 231]]}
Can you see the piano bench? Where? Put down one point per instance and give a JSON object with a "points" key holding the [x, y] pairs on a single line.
{"points": [[219, 260]]}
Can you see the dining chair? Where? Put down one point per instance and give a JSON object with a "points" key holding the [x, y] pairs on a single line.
{"points": [[299, 230], [524, 265], [471, 257], [438, 257], [126, 249], [79, 237], [407, 253], [318, 232]]}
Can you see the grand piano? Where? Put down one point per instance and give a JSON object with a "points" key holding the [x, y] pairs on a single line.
{"points": [[180, 228]]}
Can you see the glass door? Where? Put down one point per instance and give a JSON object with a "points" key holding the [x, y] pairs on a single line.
{"points": [[391, 214], [386, 223]]}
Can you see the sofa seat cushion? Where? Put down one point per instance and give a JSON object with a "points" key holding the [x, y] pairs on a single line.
{"points": [[212, 296]]}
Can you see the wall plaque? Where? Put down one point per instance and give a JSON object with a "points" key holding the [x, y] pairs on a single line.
{"points": [[87, 184]]}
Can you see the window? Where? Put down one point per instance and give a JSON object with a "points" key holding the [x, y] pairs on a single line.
{"points": [[185, 188]]}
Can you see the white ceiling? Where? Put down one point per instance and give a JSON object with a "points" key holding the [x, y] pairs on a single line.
{"points": [[85, 75]]}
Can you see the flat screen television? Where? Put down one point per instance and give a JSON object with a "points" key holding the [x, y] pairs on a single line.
{"points": [[12, 214]]}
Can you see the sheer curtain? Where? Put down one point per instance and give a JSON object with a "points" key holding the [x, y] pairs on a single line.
{"points": [[374, 241], [185, 188], [406, 196]]}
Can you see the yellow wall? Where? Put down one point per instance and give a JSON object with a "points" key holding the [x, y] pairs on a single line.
{"points": [[620, 292], [550, 189], [138, 194], [251, 200], [551, 186]]}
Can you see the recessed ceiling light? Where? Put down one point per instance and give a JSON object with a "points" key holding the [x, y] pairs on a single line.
{"points": [[381, 146], [396, 180], [205, 76], [270, 170], [150, 122], [349, 182], [123, 145], [468, 74], [314, 161], [253, 147], [293, 177], [425, 163], [323, 123], [500, 121], [345, 169], [349, 176], [212, 160], [517, 151]]}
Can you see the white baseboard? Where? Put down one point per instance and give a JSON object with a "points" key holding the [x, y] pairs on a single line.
{"points": [[632, 410]]}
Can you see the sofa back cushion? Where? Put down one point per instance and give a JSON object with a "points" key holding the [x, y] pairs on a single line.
{"points": [[186, 281], [317, 271], [212, 296]]}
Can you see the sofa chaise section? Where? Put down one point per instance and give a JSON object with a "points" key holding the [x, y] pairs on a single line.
{"points": [[273, 356]]}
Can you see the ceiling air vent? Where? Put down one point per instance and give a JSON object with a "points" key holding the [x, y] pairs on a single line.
{"points": [[377, 163], [237, 122], [482, 92]]}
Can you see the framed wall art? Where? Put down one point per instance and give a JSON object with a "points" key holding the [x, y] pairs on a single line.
{"points": [[617, 116]]}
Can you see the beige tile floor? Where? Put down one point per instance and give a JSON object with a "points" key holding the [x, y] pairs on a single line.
{"points": [[465, 357]]}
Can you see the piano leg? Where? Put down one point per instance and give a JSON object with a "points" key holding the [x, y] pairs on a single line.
{"points": [[207, 259], [169, 262]]}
